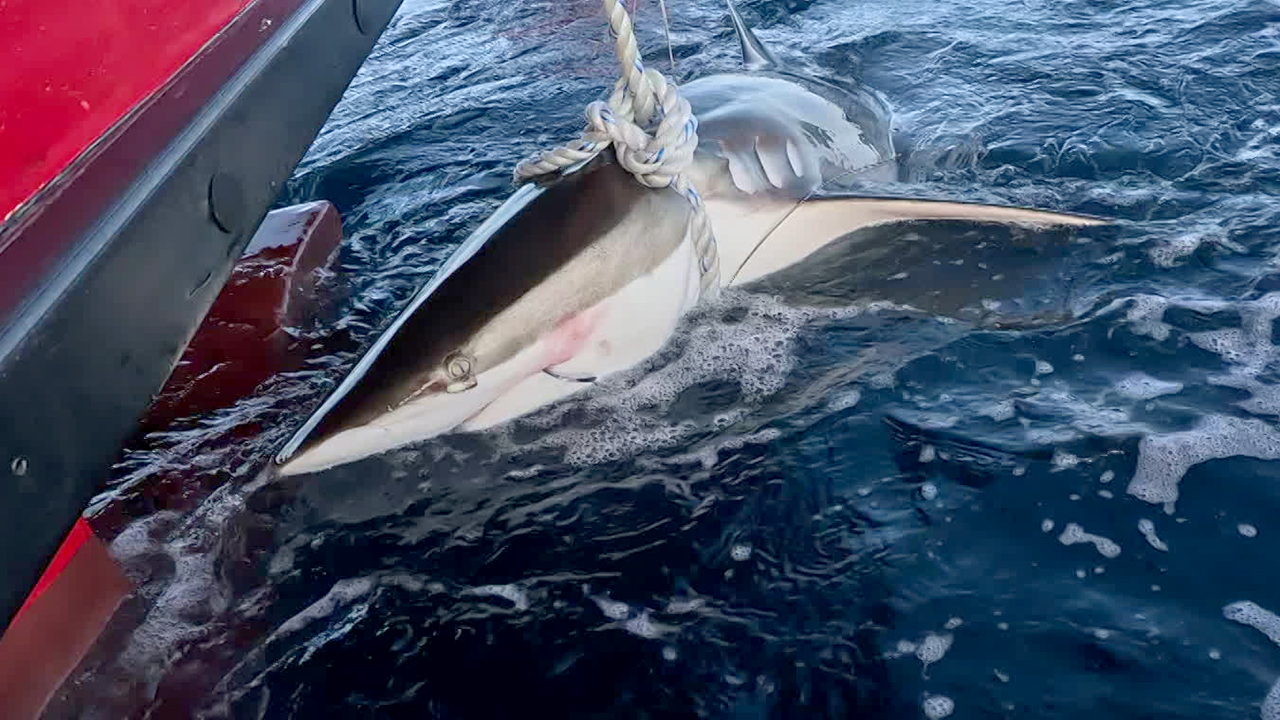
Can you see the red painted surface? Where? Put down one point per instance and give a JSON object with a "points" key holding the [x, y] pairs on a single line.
{"points": [[70, 197], [80, 533], [55, 629], [243, 340], [73, 68]]}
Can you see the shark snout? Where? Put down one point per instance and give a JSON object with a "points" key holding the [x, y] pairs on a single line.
{"points": [[438, 408], [432, 413]]}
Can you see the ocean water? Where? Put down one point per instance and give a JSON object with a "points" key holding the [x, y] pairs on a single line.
{"points": [[849, 511]]}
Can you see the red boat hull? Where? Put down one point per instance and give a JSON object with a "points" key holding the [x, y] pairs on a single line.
{"points": [[239, 345], [123, 219]]}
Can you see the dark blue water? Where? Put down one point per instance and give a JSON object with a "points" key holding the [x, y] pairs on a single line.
{"points": [[790, 513]]}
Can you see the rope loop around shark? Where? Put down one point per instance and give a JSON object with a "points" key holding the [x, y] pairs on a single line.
{"points": [[657, 156], [586, 274]]}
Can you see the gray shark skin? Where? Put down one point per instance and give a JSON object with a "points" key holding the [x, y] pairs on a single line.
{"points": [[589, 273]]}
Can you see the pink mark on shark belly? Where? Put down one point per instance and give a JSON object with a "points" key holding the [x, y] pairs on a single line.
{"points": [[571, 335]]}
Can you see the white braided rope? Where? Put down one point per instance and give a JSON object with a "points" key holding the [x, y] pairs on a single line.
{"points": [[656, 155]]}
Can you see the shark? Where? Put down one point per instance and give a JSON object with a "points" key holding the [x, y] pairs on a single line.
{"points": [[588, 273]]}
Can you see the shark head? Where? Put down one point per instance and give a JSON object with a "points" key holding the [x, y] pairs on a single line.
{"points": [[589, 274], [555, 287]]}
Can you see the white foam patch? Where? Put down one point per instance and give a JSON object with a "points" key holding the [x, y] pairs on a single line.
{"points": [[999, 411], [1063, 460], [1247, 530], [194, 594], [613, 609], [1073, 534], [1146, 317], [682, 606], [938, 707], [642, 626], [933, 647], [1271, 704], [343, 593], [1148, 530], [1247, 612], [515, 595], [1140, 386], [755, 352], [1250, 613], [1248, 351], [1169, 254], [1164, 459], [1086, 418], [708, 454], [844, 401]]}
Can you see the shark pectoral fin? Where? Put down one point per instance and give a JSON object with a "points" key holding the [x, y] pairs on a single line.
{"points": [[819, 221], [996, 271]]}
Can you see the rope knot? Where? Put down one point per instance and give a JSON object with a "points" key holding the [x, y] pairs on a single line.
{"points": [[652, 130]]}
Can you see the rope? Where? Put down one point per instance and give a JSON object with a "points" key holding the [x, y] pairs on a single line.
{"points": [[653, 133]]}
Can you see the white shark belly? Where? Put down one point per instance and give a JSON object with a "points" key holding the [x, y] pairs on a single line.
{"points": [[627, 328]]}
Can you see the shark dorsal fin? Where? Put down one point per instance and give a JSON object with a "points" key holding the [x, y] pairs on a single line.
{"points": [[755, 56]]}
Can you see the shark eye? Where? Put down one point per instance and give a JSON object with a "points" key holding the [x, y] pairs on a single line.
{"points": [[460, 368]]}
